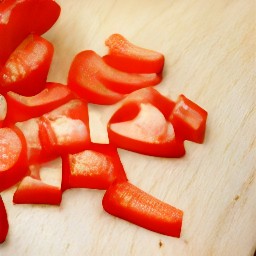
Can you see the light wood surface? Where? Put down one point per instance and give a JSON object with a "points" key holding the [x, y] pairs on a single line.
{"points": [[209, 48]]}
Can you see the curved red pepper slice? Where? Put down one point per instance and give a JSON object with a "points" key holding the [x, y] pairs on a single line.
{"points": [[66, 129], [21, 108], [189, 120], [4, 225], [34, 190], [130, 203], [125, 56], [20, 18], [92, 79], [13, 157], [141, 125], [3, 109], [142, 128], [96, 167], [26, 69]]}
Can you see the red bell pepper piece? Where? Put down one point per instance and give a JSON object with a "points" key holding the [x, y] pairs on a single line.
{"points": [[66, 129], [21, 108], [189, 120], [19, 18], [4, 225], [96, 167], [140, 126], [13, 157], [130, 203], [125, 56], [26, 69], [35, 151], [34, 190], [92, 79], [3, 109]]}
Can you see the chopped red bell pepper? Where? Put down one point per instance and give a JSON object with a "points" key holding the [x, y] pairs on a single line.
{"points": [[130, 203], [189, 120], [125, 56], [26, 69], [96, 167], [35, 150], [92, 79], [34, 190], [4, 225], [140, 126], [19, 18], [13, 157], [3, 109], [21, 108], [66, 129]]}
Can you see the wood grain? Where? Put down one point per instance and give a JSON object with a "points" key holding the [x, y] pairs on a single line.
{"points": [[209, 48]]}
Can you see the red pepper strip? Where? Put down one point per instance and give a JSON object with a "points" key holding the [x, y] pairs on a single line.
{"points": [[4, 225], [90, 77], [66, 129], [35, 151], [125, 56], [142, 128], [130, 203], [96, 167], [189, 120], [21, 108], [20, 18], [26, 69], [32, 190], [3, 109], [13, 157]]}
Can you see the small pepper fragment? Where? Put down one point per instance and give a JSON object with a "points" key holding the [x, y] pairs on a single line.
{"points": [[66, 128], [13, 157], [126, 201], [34, 190], [26, 69], [96, 167], [3, 109], [4, 225], [189, 120], [127, 57], [21, 108]]}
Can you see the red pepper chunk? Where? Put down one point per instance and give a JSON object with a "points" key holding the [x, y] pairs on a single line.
{"points": [[92, 79], [96, 167], [125, 56], [3, 109], [130, 203], [26, 69], [4, 225], [142, 127], [20, 18], [189, 120], [66, 129], [21, 108], [13, 157], [34, 190]]}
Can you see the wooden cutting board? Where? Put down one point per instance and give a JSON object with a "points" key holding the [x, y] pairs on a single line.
{"points": [[209, 48]]}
